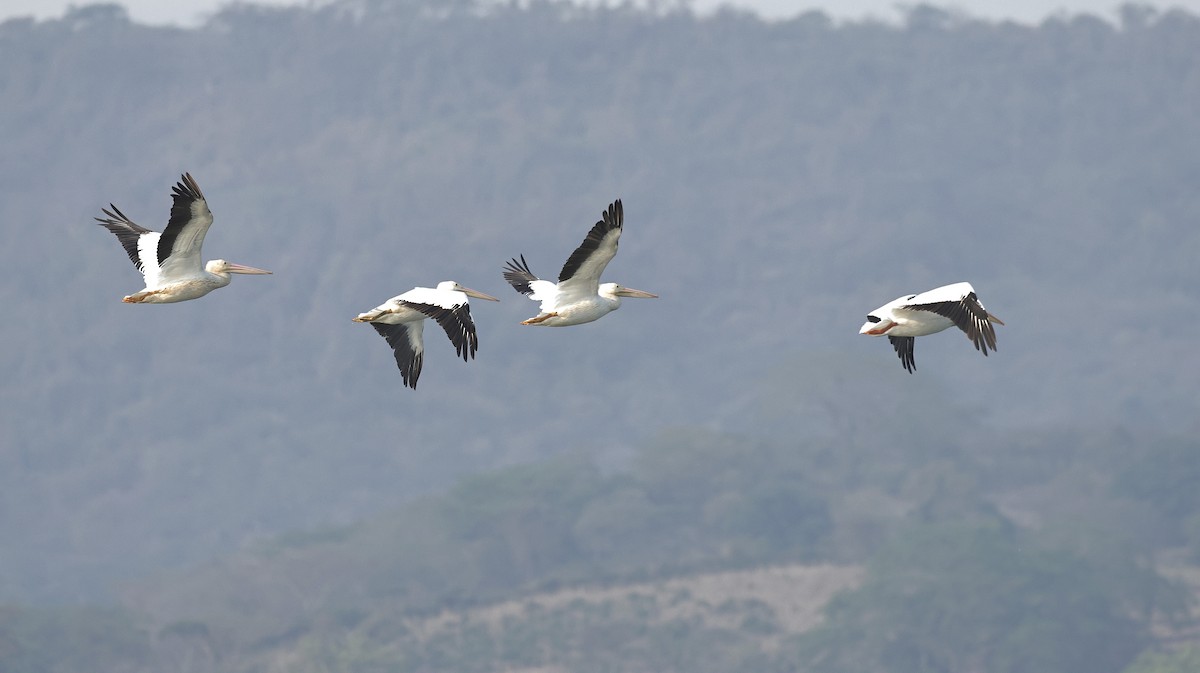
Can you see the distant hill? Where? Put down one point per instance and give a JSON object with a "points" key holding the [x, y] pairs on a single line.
{"points": [[731, 612], [779, 180]]}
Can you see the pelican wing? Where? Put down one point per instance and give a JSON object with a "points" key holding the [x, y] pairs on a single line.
{"points": [[138, 241], [959, 303], [179, 246], [904, 348], [519, 276], [580, 276], [456, 321], [405, 340]]}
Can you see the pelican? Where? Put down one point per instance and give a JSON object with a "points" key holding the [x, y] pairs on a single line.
{"points": [[930, 312], [579, 296], [401, 319], [170, 261]]}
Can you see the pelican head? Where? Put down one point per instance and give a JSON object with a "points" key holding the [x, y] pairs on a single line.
{"points": [[219, 267], [883, 319], [614, 290], [876, 325], [451, 286]]}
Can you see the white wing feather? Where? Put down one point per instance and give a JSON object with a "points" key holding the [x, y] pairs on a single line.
{"points": [[428, 295], [953, 292], [184, 260], [547, 293], [148, 254], [585, 282]]}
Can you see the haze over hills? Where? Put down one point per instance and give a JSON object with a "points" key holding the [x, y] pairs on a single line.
{"points": [[779, 181]]}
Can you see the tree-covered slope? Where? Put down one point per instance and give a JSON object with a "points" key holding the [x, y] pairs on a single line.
{"points": [[779, 180]]}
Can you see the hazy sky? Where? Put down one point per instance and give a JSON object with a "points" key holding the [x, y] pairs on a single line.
{"points": [[191, 12]]}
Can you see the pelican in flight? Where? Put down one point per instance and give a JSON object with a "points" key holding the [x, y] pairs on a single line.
{"points": [[579, 296], [170, 261], [931, 312], [401, 319]]}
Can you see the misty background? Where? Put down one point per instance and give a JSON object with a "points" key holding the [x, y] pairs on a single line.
{"points": [[780, 179], [191, 13]]}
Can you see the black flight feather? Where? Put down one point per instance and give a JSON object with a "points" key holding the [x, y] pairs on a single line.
{"points": [[408, 359], [969, 316], [184, 194], [904, 348], [457, 324], [126, 230], [610, 219], [519, 276]]}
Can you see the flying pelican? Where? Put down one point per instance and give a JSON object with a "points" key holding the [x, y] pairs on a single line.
{"points": [[401, 319], [930, 312], [579, 296], [170, 261]]}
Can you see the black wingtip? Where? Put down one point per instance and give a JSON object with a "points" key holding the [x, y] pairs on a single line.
{"points": [[456, 322], [409, 362], [185, 193], [127, 232], [615, 215], [611, 219], [519, 276], [187, 187], [904, 348]]}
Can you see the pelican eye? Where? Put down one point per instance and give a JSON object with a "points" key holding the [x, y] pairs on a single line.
{"points": [[872, 318]]}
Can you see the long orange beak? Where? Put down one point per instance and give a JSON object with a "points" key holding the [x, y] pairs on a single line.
{"points": [[640, 294], [477, 294], [242, 268]]}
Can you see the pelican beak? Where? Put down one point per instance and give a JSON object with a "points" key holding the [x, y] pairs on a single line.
{"points": [[241, 268], [477, 294], [640, 294], [877, 328]]}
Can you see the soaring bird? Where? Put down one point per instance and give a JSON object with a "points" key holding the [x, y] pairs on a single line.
{"points": [[170, 261], [401, 319], [579, 296], [930, 312]]}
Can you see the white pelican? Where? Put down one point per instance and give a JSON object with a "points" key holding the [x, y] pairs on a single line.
{"points": [[401, 319], [579, 296], [170, 261], [930, 312]]}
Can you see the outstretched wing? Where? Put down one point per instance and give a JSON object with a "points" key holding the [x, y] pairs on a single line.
{"points": [[580, 276], [139, 242], [519, 276], [179, 245], [456, 321], [405, 340], [964, 310], [522, 279], [904, 348]]}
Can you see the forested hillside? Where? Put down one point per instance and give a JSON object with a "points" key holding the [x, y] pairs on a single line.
{"points": [[779, 181], [712, 553]]}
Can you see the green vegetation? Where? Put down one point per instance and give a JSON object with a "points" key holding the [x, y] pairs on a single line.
{"points": [[952, 584], [558, 564], [954, 597], [1165, 475], [773, 174], [679, 488]]}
